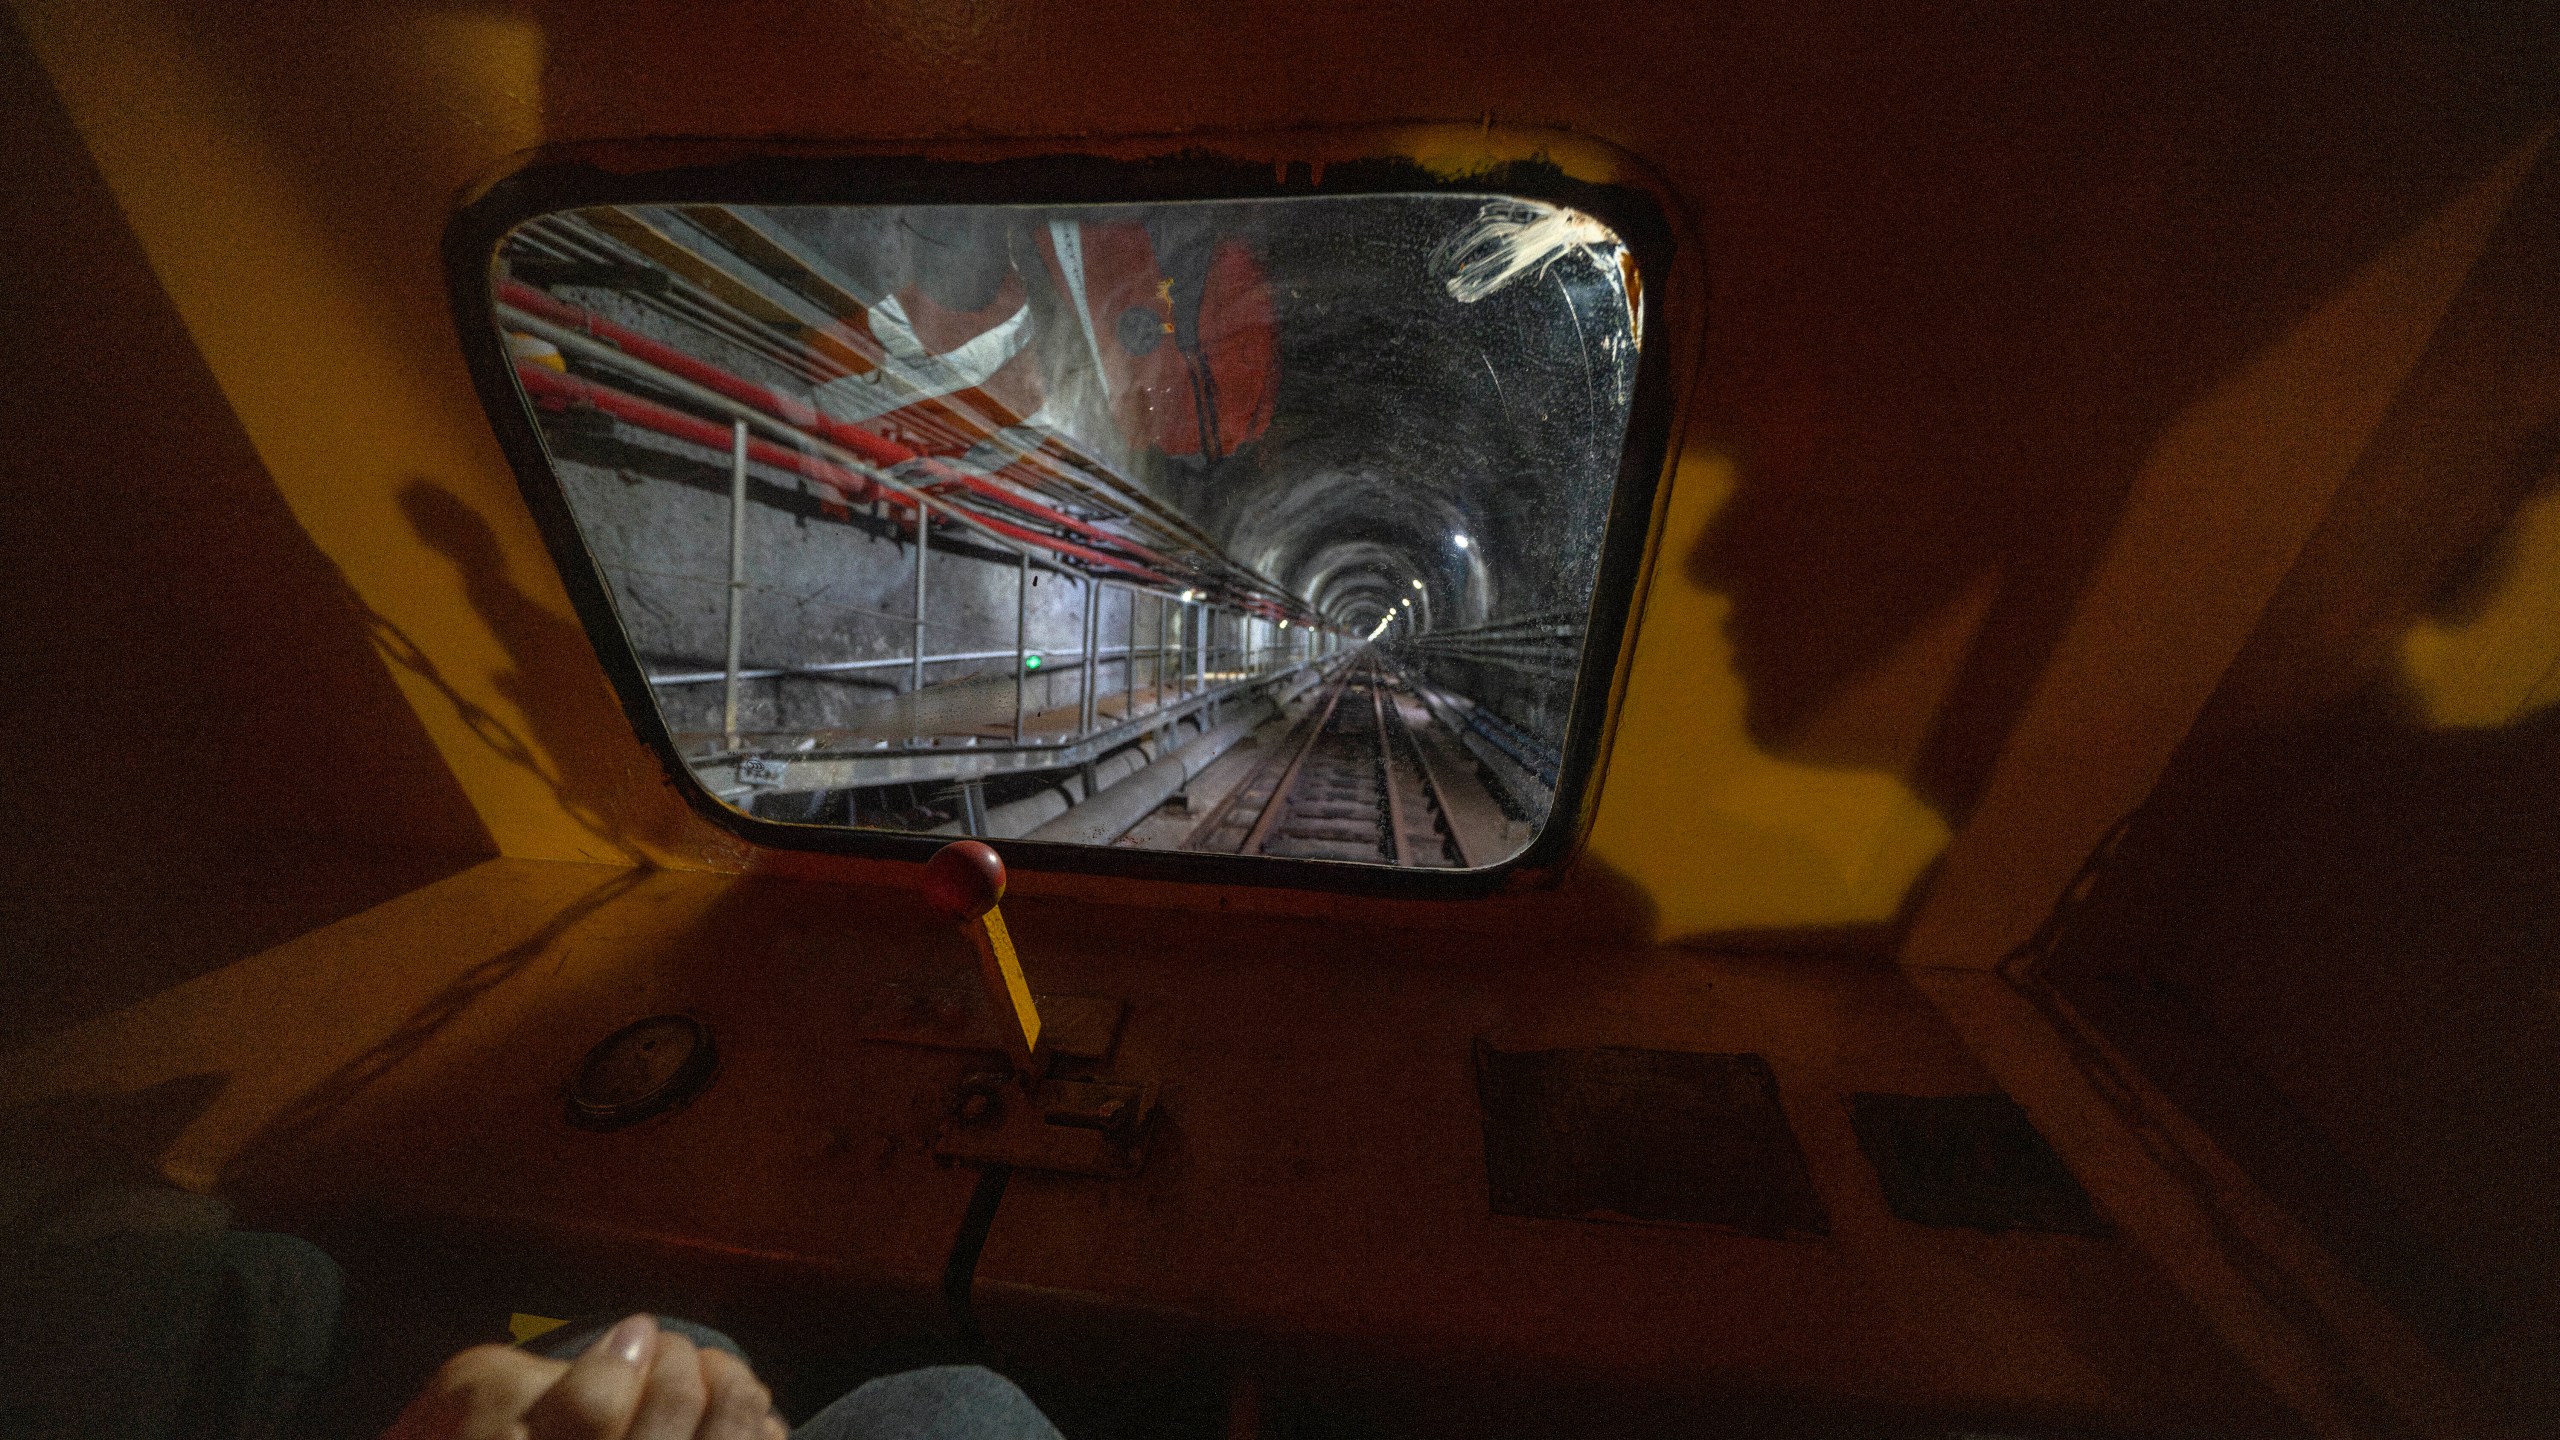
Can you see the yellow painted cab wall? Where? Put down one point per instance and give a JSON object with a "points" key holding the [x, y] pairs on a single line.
{"points": [[1895, 485]]}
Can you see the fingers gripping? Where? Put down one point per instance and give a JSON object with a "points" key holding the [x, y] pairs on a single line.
{"points": [[477, 1395], [739, 1406], [636, 1383], [671, 1405], [598, 1395]]}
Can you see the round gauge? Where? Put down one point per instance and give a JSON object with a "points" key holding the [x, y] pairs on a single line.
{"points": [[646, 1068]]}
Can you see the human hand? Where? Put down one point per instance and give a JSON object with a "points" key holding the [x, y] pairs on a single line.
{"points": [[637, 1383]]}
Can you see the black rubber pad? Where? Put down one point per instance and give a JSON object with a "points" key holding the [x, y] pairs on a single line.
{"points": [[1969, 1161], [1656, 1136]]}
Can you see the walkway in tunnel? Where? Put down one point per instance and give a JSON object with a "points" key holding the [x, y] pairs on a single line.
{"points": [[1355, 766], [980, 708]]}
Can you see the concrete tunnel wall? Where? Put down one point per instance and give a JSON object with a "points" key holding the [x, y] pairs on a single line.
{"points": [[823, 587], [826, 582]]}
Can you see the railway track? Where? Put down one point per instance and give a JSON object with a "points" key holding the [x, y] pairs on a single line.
{"points": [[1348, 783]]}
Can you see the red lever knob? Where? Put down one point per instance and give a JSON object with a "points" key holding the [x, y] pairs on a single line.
{"points": [[964, 880]]}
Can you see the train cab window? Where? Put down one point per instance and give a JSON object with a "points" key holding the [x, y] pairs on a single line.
{"points": [[1270, 529]]}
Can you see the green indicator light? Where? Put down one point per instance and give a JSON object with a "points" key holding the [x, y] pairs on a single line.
{"points": [[1030, 662]]}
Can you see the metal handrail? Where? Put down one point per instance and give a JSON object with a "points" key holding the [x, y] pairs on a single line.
{"points": [[833, 667]]}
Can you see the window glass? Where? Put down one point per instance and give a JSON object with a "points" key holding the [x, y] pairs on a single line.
{"points": [[1257, 527]]}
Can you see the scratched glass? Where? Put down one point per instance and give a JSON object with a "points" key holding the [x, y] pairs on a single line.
{"points": [[1256, 527]]}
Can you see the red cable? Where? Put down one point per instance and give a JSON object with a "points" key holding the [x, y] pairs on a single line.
{"points": [[546, 384], [875, 448]]}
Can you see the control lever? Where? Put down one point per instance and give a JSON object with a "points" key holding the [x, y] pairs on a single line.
{"points": [[963, 882], [1028, 1119]]}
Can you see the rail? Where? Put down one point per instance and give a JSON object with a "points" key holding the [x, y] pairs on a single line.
{"points": [[1349, 783]]}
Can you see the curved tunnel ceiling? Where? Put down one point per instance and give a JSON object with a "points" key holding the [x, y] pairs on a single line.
{"points": [[1408, 417], [1379, 376]]}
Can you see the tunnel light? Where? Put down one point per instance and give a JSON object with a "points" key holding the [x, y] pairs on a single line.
{"points": [[1461, 541], [1417, 584], [1030, 662], [1190, 595]]}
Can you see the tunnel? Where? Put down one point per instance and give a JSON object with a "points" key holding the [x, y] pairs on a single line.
{"points": [[1264, 528]]}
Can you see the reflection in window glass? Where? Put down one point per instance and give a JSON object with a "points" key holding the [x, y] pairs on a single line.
{"points": [[1257, 527]]}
